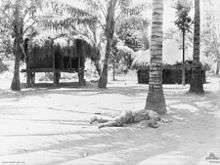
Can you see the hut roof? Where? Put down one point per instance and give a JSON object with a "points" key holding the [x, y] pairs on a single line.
{"points": [[59, 37], [125, 50], [63, 44], [171, 56]]}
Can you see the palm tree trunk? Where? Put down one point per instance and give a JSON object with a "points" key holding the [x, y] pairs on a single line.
{"points": [[98, 67], [183, 65], [18, 32], [15, 85], [196, 83], [109, 32], [217, 67], [103, 80], [114, 70], [155, 99]]}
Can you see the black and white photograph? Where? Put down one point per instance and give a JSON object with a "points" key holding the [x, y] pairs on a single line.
{"points": [[109, 82]]}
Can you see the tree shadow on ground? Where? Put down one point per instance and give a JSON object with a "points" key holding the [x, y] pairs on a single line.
{"points": [[42, 89]]}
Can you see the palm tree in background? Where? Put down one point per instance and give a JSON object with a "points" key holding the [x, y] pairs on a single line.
{"points": [[109, 13], [13, 15], [196, 83], [155, 99], [109, 33]]}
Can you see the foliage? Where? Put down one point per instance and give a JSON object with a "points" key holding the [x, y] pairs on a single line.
{"points": [[183, 21], [128, 30], [3, 67], [211, 40], [38, 16], [120, 55], [62, 16], [17, 17], [124, 13]]}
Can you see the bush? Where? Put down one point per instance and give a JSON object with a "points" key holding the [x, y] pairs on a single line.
{"points": [[3, 67]]}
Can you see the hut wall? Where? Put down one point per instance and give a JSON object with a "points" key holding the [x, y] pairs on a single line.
{"points": [[143, 76], [41, 57], [80, 50], [170, 76], [56, 57]]}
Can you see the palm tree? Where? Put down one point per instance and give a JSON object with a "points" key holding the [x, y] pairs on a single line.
{"points": [[183, 23], [196, 83], [109, 12], [14, 13], [18, 40], [109, 32], [155, 99]]}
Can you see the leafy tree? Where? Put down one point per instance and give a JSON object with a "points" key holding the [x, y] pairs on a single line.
{"points": [[123, 57], [210, 40], [5, 40], [108, 13], [155, 99], [132, 30], [129, 28], [109, 32], [17, 17], [196, 83], [183, 23]]}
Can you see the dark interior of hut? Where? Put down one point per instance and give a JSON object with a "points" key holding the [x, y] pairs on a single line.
{"points": [[170, 76], [65, 63], [48, 57]]}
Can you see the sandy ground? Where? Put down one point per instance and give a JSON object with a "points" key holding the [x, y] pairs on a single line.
{"points": [[50, 126]]}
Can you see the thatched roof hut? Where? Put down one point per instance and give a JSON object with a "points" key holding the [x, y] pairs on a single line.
{"points": [[57, 43], [172, 56], [41, 52], [49, 52], [172, 65]]}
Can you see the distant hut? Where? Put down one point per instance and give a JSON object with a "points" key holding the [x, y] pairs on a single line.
{"points": [[58, 54], [172, 68]]}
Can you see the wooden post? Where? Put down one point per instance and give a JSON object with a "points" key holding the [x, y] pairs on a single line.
{"points": [[28, 80], [55, 73], [27, 60], [56, 78], [82, 81], [32, 78], [81, 63]]}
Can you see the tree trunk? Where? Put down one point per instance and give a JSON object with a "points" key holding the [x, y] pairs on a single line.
{"points": [[109, 32], [155, 99], [98, 67], [114, 71], [183, 64], [217, 68], [103, 80], [18, 40], [15, 85], [196, 83]]}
